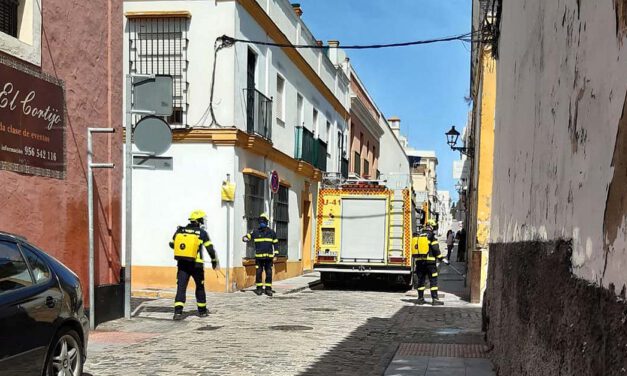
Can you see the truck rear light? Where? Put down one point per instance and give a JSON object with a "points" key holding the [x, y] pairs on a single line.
{"points": [[396, 260], [326, 258]]}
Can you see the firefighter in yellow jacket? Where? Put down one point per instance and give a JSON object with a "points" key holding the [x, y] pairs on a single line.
{"points": [[187, 243], [426, 254]]}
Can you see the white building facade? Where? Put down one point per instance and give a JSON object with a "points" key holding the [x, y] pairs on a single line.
{"points": [[273, 109]]}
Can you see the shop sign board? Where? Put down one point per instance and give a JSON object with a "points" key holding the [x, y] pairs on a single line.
{"points": [[32, 122]]}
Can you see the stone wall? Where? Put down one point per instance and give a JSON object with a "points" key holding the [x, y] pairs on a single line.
{"points": [[563, 325]]}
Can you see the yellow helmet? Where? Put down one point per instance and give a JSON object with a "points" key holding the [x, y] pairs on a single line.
{"points": [[431, 222], [196, 215], [264, 216]]}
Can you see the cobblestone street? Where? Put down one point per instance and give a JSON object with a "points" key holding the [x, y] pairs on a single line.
{"points": [[349, 331]]}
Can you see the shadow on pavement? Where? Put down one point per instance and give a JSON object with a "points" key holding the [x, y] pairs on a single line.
{"points": [[367, 283], [370, 348]]}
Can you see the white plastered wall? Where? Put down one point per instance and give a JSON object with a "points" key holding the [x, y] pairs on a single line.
{"points": [[163, 200], [562, 78]]}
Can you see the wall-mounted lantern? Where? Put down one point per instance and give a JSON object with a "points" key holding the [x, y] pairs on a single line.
{"points": [[451, 139]]}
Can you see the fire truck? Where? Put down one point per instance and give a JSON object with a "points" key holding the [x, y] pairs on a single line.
{"points": [[364, 227]]}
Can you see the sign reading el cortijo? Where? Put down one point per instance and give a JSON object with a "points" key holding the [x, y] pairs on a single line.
{"points": [[32, 123]]}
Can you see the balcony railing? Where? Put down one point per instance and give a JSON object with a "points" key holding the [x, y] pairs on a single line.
{"points": [[321, 157], [258, 113], [310, 149]]}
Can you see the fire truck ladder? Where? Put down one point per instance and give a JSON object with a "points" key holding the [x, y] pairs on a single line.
{"points": [[396, 236]]}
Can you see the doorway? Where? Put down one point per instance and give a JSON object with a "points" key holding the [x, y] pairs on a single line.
{"points": [[306, 231]]}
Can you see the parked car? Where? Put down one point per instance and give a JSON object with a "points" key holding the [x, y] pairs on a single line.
{"points": [[43, 326]]}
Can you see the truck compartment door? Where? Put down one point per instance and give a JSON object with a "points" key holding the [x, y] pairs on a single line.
{"points": [[364, 227]]}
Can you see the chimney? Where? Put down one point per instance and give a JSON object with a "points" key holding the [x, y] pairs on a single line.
{"points": [[297, 9], [333, 51], [395, 124]]}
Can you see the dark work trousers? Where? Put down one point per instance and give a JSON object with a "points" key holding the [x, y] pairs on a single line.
{"points": [[424, 269], [449, 249], [195, 270], [263, 264]]}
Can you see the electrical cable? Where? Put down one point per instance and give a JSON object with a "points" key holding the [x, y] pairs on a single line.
{"points": [[225, 41], [219, 44], [462, 37]]}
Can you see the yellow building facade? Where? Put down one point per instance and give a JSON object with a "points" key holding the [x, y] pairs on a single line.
{"points": [[482, 139]]}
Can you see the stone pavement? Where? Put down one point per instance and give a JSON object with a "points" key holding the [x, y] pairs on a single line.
{"points": [[362, 328]]}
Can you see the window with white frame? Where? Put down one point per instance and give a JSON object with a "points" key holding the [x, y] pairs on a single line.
{"points": [[20, 29], [280, 99], [315, 122], [299, 110], [9, 17], [329, 136], [159, 46]]}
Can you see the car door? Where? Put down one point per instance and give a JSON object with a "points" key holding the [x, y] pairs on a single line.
{"points": [[24, 333]]}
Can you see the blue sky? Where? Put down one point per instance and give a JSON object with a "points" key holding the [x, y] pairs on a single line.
{"points": [[423, 85]]}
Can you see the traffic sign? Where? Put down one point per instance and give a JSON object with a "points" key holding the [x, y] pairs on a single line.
{"points": [[152, 135], [274, 181]]}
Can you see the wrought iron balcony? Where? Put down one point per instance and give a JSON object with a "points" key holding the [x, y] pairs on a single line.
{"points": [[310, 149], [258, 113]]}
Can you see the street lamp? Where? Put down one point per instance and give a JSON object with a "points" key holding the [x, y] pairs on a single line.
{"points": [[451, 139]]}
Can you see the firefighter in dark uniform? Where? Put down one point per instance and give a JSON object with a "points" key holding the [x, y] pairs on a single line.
{"points": [[426, 254], [265, 242], [187, 243]]}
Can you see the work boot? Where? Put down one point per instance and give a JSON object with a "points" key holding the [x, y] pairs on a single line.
{"points": [[269, 291], [436, 302], [259, 291], [178, 314], [202, 312], [420, 301]]}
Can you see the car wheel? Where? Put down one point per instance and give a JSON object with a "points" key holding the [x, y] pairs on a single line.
{"points": [[65, 356]]}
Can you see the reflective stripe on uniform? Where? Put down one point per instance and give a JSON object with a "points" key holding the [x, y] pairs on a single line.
{"points": [[275, 241], [434, 274], [208, 243], [264, 255], [264, 240], [179, 304], [434, 288], [268, 284], [422, 288], [201, 305], [259, 284], [247, 236]]}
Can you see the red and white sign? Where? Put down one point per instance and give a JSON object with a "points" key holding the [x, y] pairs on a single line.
{"points": [[274, 181]]}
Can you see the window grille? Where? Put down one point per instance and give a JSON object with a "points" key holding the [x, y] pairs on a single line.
{"points": [[159, 46], [366, 167], [281, 216], [8, 17], [328, 236], [253, 206]]}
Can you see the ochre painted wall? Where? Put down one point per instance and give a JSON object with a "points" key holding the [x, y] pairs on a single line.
{"points": [[164, 277]]}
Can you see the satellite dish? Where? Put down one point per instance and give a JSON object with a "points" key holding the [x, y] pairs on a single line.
{"points": [[152, 135]]}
